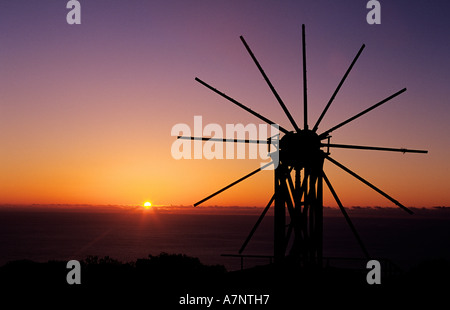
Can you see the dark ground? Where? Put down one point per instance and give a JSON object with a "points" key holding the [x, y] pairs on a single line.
{"points": [[161, 281]]}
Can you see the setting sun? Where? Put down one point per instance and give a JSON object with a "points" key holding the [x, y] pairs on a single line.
{"points": [[147, 204]]}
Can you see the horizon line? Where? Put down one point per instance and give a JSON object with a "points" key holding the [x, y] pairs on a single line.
{"points": [[191, 206]]}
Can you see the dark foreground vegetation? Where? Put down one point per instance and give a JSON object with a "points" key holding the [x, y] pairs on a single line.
{"points": [[168, 280]]}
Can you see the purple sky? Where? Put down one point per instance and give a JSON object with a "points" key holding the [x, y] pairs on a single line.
{"points": [[86, 110]]}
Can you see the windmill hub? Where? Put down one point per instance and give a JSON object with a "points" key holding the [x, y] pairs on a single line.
{"points": [[302, 147]]}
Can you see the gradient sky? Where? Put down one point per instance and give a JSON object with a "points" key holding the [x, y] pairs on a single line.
{"points": [[86, 110]]}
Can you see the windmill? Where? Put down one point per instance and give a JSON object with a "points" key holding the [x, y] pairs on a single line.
{"points": [[299, 175]]}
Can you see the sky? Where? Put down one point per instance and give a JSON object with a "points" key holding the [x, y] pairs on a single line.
{"points": [[86, 111]]}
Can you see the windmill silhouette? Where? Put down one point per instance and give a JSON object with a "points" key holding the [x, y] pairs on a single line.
{"points": [[299, 175]]}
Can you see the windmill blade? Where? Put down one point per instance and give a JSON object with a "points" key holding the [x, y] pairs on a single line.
{"points": [[369, 184], [268, 121], [256, 224], [286, 111], [305, 97], [232, 184], [316, 126], [222, 139], [325, 134], [373, 148], [347, 218]]}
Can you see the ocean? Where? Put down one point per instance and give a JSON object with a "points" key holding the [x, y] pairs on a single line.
{"points": [[127, 233]]}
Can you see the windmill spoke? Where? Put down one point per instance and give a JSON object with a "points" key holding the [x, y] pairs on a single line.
{"points": [[316, 126], [222, 139], [325, 134], [369, 184], [305, 97], [257, 224], [373, 148], [347, 218], [286, 111], [232, 184], [268, 121]]}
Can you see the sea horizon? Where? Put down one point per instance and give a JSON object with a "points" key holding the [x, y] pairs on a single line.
{"points": [[62, 232]]}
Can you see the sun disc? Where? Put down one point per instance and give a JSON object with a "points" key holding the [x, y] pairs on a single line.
{"points": [[147, 204]]}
